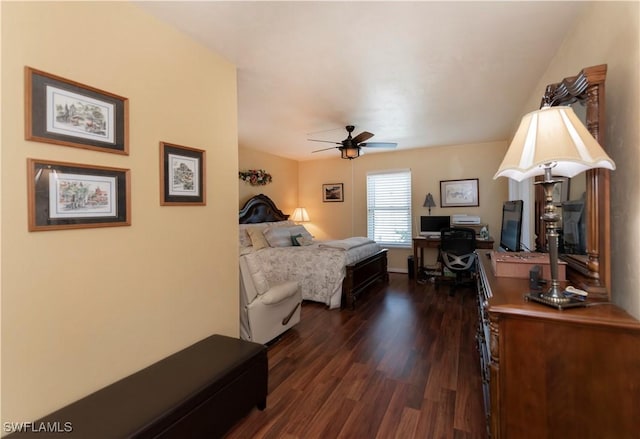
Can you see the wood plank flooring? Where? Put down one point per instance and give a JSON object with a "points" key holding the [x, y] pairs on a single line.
{"points": [[404, 365]]}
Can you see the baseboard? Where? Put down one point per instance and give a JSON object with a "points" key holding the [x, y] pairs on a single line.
{"points": [[397, 270]]}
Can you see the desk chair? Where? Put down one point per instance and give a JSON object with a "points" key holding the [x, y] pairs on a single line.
{"points": [[457, 253]]}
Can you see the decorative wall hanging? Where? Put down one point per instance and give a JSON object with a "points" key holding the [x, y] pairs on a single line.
{"points": [[68, 113], [182, 175], [332, 192], [72, 196], [454, 193], [255, 177]]}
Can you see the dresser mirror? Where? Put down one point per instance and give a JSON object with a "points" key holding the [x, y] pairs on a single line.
{"points": [[591, 270]]}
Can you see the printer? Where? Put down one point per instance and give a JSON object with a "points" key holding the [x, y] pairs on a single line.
{"points": [[462, 219]]}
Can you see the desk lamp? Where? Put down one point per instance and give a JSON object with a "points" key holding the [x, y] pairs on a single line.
{"points": [[552, 140], [429, 202]]}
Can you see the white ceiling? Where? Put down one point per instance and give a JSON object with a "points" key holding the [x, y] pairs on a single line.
{"points": [[416, 73]]}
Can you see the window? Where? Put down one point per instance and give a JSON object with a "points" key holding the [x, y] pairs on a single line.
{"points": [[389, 207]]}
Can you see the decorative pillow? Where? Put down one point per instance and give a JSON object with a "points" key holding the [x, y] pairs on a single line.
{"points": [[300, 230], [294, 240], [278, 236], [245, 250], [258, 240], [302, 240], [259, 279], [243, 235], [243, 238]]}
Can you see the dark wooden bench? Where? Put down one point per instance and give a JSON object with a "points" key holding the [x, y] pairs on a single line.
{"points": [[199, 392]]}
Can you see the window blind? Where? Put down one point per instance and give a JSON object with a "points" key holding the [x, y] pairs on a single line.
{"points": [[389, 207]]}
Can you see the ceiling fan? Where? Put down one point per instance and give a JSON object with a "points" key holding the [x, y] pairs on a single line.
{"points": [[350, 147]]}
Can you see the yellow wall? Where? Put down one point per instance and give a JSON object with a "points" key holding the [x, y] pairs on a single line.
{"points": [[83, 308], [283, 190], [428, 167], [608, 33]]}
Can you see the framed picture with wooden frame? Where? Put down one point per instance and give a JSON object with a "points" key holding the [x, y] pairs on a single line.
{"points": [[65, 195], [182, 175], [459, 193], [333, 192], [65, 112]]}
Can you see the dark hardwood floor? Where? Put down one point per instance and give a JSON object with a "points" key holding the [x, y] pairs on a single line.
{"points": [[404, 365]]}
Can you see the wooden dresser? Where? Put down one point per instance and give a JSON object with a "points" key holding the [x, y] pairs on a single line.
{"points": [[555, 374]]}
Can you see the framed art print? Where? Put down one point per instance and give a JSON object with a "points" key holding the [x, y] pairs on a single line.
{"points": [[333, 192], [455, 193], [68, 113], [182, 175], [65, 195]]}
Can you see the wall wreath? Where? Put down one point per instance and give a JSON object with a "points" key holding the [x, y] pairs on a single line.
{"points": [[255, 177]]}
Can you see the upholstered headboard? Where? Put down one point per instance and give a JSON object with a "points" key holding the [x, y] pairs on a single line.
{"points": [[260, 209]]}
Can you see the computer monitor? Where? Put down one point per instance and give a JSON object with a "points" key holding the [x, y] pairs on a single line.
{"points": [[431, 225], [511, 229], [573, 229]]}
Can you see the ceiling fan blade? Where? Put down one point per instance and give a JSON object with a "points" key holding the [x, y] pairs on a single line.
{"points": [[324, 141], [363, 136], [324, 149], [379, 145]]}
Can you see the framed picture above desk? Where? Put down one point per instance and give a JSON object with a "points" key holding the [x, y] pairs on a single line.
{"points": [[422, 242]]}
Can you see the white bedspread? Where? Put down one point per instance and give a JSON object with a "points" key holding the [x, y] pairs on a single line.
{"points": [[346, 244], [319, 269]]}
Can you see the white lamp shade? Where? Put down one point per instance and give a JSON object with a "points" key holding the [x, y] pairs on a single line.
{"points": [[300, 214], [555, 136]]}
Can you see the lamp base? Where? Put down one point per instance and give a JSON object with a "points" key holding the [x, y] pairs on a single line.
{"points": [[550, 301]]}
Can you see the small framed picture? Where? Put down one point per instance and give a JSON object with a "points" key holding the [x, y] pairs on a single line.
{"points": [[73, 196], [459, 193], [561, 190], [182, 175], [332, 192], [68, 113]]}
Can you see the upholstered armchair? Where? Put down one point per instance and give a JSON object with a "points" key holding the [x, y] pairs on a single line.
{"points": [[266, 311]]}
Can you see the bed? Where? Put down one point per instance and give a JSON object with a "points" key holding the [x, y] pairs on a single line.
{"points": [[336, 273]]}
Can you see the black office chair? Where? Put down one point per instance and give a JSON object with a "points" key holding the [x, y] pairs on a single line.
{"points": [[457, 253]]}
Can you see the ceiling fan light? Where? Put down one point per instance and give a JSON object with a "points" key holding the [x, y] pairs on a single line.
{"points": [[350, 153]]}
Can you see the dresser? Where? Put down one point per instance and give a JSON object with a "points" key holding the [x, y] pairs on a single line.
{"points": [[548, 373]]}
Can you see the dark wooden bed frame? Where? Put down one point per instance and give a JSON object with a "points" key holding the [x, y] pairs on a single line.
{"points": [[360, 275]]}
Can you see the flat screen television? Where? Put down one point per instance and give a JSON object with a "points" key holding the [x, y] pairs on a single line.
{"points": [[511, 229], [431, 225]]}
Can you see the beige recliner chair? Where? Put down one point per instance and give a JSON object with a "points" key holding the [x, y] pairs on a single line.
{"points": [[266, 311]]}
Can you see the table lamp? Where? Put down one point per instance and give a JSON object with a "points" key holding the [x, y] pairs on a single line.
{"points": [[552, 141], [300, 215], [429, 202]]}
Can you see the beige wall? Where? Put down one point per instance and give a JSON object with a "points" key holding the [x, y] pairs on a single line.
{"points": [[428, 167], [83, 308], [283, 190], [608, 33]]}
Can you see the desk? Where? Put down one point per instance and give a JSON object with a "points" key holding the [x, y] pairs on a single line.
{"points": [[421, 243]]}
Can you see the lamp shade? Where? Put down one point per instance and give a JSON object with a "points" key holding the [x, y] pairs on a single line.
{"points": [[300, 215], [553, 136], [429, 201]]}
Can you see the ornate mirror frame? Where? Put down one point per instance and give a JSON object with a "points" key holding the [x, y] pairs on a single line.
{"points": [[590, 272]]}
